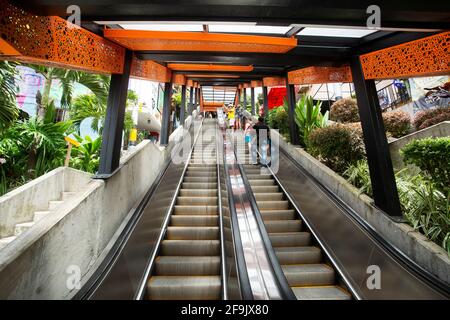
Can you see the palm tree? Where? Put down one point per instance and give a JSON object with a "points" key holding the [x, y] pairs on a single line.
{"points": [[8, 107], [98, 84]]}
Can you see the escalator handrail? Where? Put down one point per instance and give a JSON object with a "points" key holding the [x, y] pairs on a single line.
{"points": [[148, 270], [283, 285], [241, 268], [223, 265], [420, 272]]}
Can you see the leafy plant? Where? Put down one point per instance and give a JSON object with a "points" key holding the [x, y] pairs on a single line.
{"points": [[86, 157], [427, 118], [424, 207], [8, 107], [88, 106], [432, 156], [277, 118], [337, 146], [397, 123], [358, 175], [98, 84], [344, 111], [308, 117]]}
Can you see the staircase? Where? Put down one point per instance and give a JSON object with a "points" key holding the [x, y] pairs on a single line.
{"points": [[38, 215]]}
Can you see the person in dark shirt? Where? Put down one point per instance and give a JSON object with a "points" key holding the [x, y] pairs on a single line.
{"points": [[262, 139]]}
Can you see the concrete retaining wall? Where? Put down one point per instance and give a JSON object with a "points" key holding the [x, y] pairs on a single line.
{"points": [[423, 251], [40, 263], [438, 130]]}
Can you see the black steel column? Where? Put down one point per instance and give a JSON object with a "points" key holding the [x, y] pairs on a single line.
{"points": [[265, 101], [115, 114], [245, 98], [183, 105], [293, 129], [191, 100], [378, 157], [164, 136], [252, 97]]}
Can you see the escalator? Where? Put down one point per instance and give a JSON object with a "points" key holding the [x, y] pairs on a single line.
{"points": [[301, 260], [188, 264]]}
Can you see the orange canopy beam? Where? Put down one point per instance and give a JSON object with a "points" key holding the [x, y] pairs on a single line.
{"points": [[54, 41], [314, 75], [224, 76], [140, 40], [424, 57], [208, 67]]}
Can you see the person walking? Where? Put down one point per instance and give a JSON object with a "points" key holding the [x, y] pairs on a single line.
{"points": [[262, 140]]}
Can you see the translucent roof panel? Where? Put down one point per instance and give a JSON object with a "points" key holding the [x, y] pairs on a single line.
{"points": [[246, 28], [335, 32], [219, 94], [163, 26]]}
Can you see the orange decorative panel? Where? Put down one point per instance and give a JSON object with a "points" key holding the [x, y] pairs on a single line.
{"points": [[150, 70], [189, 83], [179, 79], [208, 67], [313, 75], [54, 41], [140, 40], [240, 87], [274, 81], [256, 84], [423, 57], [246, 85]]}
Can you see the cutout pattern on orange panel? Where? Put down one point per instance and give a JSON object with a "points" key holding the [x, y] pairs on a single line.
{"points": [[314, 75], [274, 81], [55, 42], [150, 70], [256, 84], [423, 57], [179, 79]]}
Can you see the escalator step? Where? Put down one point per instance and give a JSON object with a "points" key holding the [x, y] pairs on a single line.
{"points": [[197, 201], [265, 189], [194, 220], [200, 179], [283, 225], [198, 192], [259, 177], [290, 239], [199, 185], [268, 182], [192, 233], [298, 255], [272, 196], [308, 274], [187, 266], [273, 205], [195, 173], [182, 288], [195, 210], [321, 293], [190, 248], [278, 214]]}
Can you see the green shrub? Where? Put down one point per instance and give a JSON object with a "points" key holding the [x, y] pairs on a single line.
{"points": [[397, 123], [427, 118], [424, 207], [278, 119], [337, 146], [308, 117], [432, 156], [344, 110]]}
